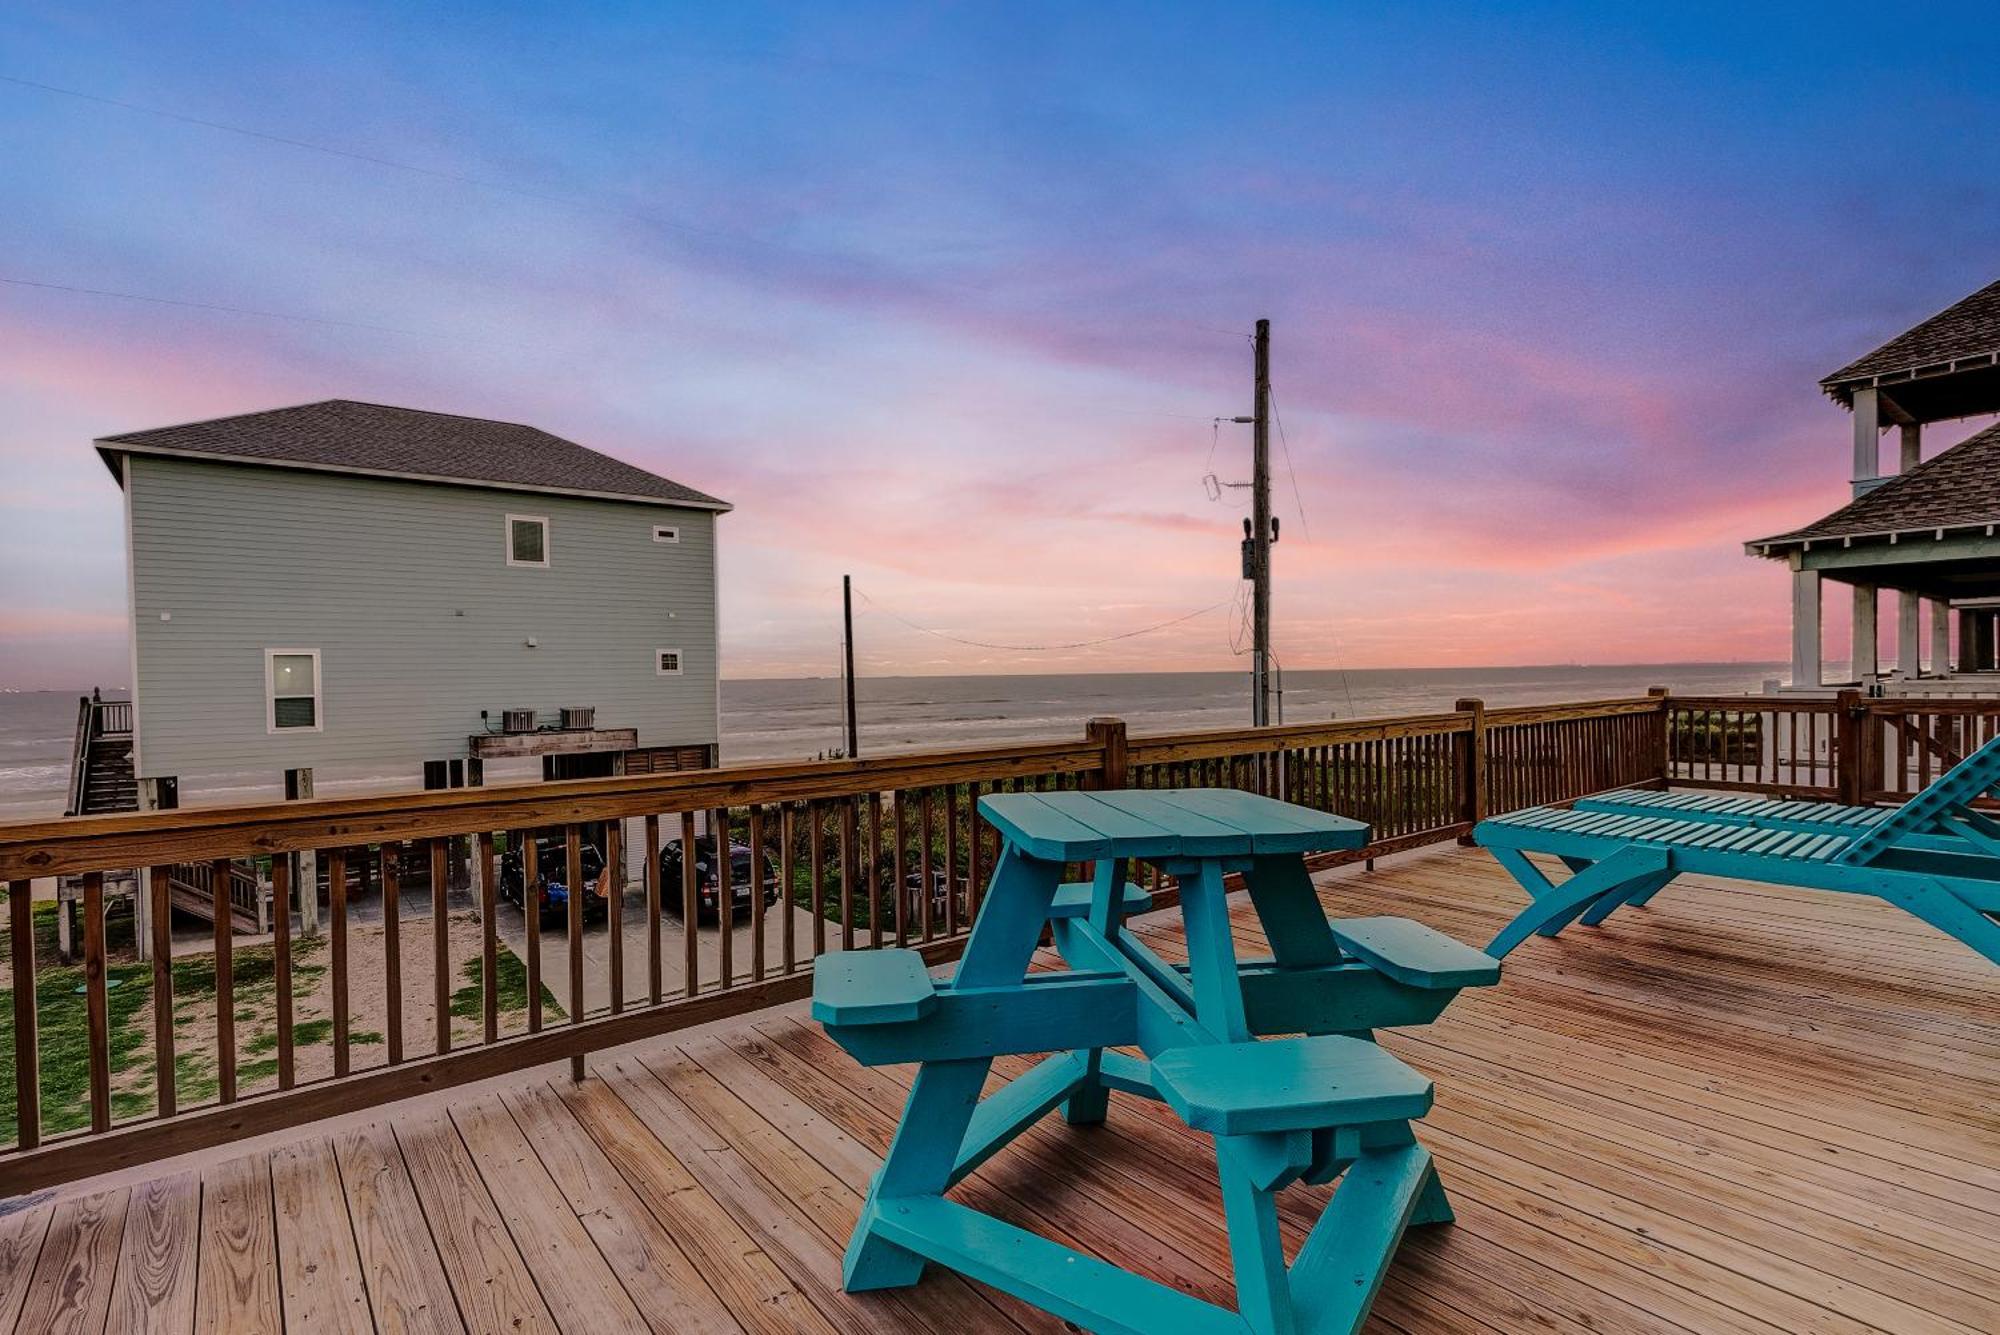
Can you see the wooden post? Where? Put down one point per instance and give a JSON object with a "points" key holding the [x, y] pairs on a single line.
{"points": [[1108, 734], [1661, 732], [1471, 748], [1849, 722], [305, 879]]}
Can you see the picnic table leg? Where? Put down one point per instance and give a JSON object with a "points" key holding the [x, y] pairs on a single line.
{"points": [[925, 1147], [1092, 1100], [1288, 907]]}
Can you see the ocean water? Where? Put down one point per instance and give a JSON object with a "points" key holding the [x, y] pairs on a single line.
{"points": [[798, 719]]}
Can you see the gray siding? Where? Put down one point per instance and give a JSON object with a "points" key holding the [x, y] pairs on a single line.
{"points": [[404, 589]]}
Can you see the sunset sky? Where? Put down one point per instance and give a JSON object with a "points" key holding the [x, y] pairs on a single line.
{"points": [[945, 297]]}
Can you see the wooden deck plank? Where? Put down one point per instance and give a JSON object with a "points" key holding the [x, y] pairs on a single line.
{"points": [[581, 1292], [750, 1284], [647, 1259], [759, 1126], [407, 1287], [236, 1282], [154, 1289], [73, 1277], [490, 1279], [319, 1263], [21, 1233], [1739, 1109]]}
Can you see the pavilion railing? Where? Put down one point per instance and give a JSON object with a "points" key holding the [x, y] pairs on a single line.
{"points": [[413, 978]]}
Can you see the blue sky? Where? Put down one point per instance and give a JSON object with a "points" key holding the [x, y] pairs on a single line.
{"points": [[944, 296]]}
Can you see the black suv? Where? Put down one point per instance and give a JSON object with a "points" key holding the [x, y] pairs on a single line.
{"points": [[707, 880], [550, 887]]}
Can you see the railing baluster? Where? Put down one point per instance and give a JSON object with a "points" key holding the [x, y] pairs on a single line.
{"points": [[336, 912], [489, 937], [788, 836], [165, 1066], [98, 1010], [925, 893], [531, 916], [757, 864], [654, 927], [281, 968], [900, 870], [725, 897], [690, 911], [225, 980], [816, 875], [951, 860], [27, 1055], [877, 904], [846, 859], [441, 941], [612, 883], [390, 861], [573, 871]]}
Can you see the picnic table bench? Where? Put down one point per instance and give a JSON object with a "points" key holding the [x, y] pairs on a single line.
{"points": [[1328, 1104]]}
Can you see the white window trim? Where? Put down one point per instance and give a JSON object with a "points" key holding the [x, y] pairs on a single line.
{"points": [[666, 533], [507, 533], [271, 691], [680, 661]]}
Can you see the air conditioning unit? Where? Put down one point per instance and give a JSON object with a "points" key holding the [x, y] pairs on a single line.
{"points": [[517, 720], [579, 718]]}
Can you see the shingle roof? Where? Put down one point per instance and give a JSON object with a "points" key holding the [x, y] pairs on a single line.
{"points": [[1968, 328], [1959, 487], [343, 436]]}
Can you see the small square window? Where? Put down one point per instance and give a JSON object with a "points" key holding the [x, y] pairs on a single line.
{"points": [[291, 689], [667, 662], [527, 540], [666, 533]]}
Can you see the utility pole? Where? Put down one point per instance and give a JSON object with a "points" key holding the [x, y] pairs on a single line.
{"points": [[1260, 535], [847, 659]]}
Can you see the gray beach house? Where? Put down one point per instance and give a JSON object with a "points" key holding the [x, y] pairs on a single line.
{"points": [[382, 597]]}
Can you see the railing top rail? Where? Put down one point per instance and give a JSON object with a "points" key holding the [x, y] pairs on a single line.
{"points": [[1154, 748], [53, 847], [1779, 704], [1515, 715]]}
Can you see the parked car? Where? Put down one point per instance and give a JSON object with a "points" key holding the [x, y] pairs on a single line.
{"points": [[549, 889], [708, 880]]}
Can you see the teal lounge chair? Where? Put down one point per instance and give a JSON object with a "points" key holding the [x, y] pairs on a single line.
{"points": [[1934, 856]]}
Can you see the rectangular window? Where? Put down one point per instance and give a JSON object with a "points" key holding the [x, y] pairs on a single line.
{"points": [[667, 662], [291, 687], [527, 540], [666, 533]]}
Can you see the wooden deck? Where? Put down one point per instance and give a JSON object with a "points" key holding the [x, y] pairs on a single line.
{"points": [[1740, 1109]]}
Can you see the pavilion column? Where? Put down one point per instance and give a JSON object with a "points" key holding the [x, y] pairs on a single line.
{"points": [[1940, 637], [1805, 629], [1912, 452], [1867, 440], [1865, 658], [1909, 634]]}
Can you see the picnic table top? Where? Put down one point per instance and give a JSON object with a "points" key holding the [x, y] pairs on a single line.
{"points": [[1164, 823]]}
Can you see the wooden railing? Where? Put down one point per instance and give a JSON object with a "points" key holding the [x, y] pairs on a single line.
{"points": [[395, 1000], [94, 719], [1847, 748]]}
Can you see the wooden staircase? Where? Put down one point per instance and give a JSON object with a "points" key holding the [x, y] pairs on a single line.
{"points": [[101, 778]]}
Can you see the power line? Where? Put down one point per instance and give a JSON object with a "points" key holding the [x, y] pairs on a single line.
{"points": [[1043, 648], [1285, 442]]}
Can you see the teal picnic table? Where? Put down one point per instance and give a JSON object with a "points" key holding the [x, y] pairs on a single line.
{"points": [[1323, 1105]]}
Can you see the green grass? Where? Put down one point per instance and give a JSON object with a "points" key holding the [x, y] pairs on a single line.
{"points": [[510, 988]]}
